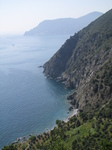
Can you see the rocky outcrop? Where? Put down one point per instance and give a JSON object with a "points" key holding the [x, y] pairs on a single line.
{"points": [[82, 56], [57, 64]]}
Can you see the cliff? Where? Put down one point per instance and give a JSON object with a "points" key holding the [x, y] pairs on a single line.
{"points": [[83, 63], [81, 56], [62, 26]]}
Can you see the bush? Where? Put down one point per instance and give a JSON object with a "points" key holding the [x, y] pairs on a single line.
{"points": [[10, 147], [32, 138]]}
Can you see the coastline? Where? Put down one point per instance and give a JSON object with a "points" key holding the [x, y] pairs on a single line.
{"points": [[23, 139], [74, 112], [47, 131]]}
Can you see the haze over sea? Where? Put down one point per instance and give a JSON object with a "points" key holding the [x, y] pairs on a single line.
{"points": [[29, 102]]}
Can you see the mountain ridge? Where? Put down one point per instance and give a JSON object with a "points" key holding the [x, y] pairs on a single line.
{"points": [[63, 25], [82, 55], [88, 70]]}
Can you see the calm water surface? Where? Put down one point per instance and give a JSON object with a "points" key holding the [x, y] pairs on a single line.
{"points": [[29, 103]]}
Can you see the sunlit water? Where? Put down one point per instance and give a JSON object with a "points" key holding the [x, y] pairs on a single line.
{"points": [[29, 103]]}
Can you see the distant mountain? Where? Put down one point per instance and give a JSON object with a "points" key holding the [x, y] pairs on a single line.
{"points": [[63, 26], [83, 63]]}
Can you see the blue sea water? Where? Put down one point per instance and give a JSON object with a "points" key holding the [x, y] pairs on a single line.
{"points": [[29, 102]]}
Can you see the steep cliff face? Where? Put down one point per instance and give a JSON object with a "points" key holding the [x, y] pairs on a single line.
{"points": [[57, 64], [98, 91], [82, 55]]}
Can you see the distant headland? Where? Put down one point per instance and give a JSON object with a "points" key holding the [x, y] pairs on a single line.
{"points": [[63, 26]]}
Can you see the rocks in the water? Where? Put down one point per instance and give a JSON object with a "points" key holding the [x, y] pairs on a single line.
{"points": [[40, 66], [71, 108]]}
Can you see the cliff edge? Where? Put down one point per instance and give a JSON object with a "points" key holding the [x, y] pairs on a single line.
{"points": [[81, 56]]}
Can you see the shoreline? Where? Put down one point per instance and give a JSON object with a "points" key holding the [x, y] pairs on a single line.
{"points": [[25, 138], [74, 112]]}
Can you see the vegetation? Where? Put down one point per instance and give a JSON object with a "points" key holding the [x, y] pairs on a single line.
{"points": [[87, 67], [85, 131]]}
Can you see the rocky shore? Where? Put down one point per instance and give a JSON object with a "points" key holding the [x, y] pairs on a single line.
{"points": [[80, 57]]}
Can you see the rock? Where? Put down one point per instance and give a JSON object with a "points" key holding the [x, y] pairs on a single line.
{"points": [[81, 56], [71, 108], [70, 97], [73, 102], [40, 66]]}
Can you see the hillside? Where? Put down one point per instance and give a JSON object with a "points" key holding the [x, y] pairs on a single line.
{"points": [[82, 55], [83, 63], [63, 26]]}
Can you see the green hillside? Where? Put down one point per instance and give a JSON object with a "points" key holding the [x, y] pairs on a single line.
{"points": [[82, 55], [83, 63]]}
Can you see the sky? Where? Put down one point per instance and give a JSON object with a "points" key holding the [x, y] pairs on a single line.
{"points": [[18, 16]]}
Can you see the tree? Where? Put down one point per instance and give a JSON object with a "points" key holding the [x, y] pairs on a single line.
{"points": [[105, 145], [32, 139], [10, 147]]}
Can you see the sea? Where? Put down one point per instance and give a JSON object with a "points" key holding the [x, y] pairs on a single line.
{"points": [[30, 103]]}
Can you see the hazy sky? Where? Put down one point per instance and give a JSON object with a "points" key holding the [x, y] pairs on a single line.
{"points": [[17, 16]]}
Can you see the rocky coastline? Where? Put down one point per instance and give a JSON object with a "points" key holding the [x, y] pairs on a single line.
{"points": [[80, 57], [84, 64]]}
